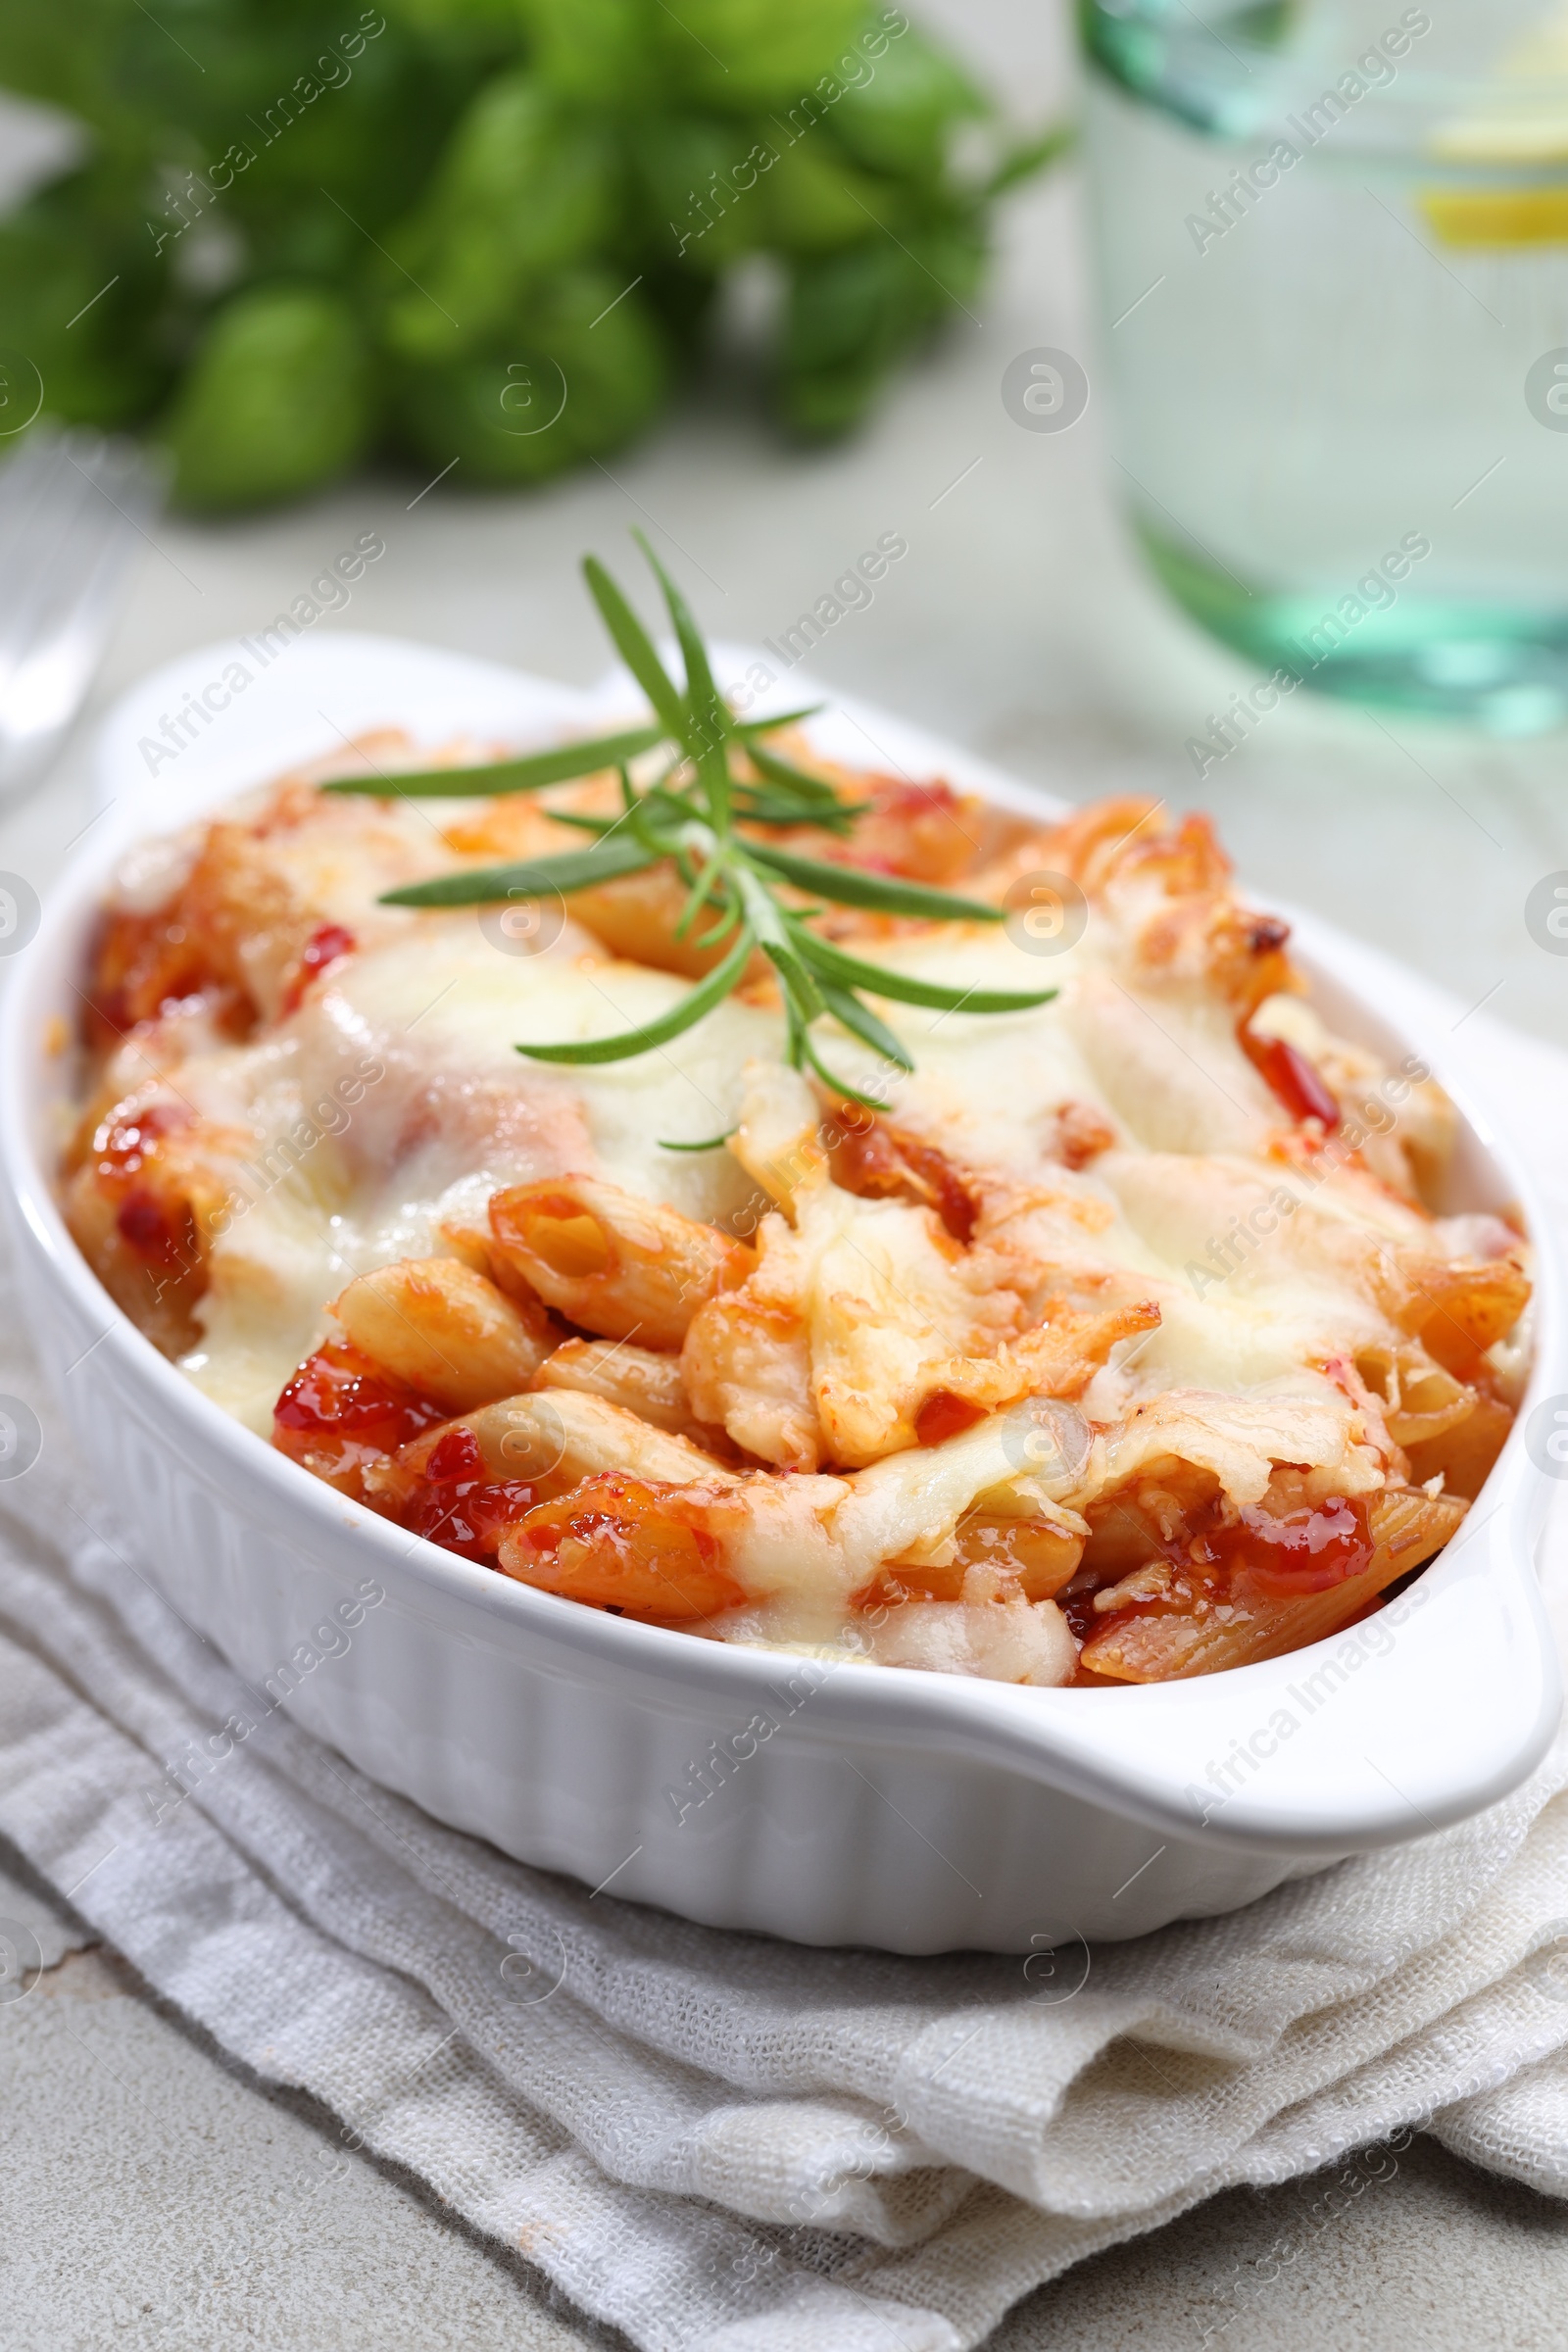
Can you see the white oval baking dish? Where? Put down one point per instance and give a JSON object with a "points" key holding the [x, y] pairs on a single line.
{"points": [[840, 1805]]}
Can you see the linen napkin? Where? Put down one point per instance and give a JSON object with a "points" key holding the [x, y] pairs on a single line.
{"points": [[719, 2142]]}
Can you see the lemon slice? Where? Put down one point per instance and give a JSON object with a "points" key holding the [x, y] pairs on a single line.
{"points": [[1526, 132], [1500, 215]]}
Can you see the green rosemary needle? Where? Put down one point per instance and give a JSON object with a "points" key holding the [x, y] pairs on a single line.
{"points": [[688, 816]]}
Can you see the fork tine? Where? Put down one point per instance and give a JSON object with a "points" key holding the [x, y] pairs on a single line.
{"points": [[71, 506], [75, 512], [35, 526]]}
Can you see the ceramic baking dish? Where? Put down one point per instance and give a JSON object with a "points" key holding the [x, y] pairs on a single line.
{"points": [[835, 1804]]}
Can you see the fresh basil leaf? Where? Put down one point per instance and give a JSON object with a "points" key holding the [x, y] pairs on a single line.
{"points": [[853, 886], [1029, 156], [280, 393], [532, 878], [627, 1043], [900, 119]]}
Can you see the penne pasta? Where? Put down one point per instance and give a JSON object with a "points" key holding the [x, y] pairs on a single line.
{"points": [[638, 915], [1091, 1319], [1035, 1556], [443, 1329], [150, 1194], [464, 1481], [558, 1439], [636, 1379], [476, 1246], [1462, 1456], [617, 1543], [625, 1268], [1144, 1641], [1421, 1401], [1460, 1308]]}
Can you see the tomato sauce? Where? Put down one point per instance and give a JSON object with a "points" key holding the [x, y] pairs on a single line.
{"points": [[944, 1415], [328, 943], [458, 1506], [1291, 1079], [1259, 1557], [340, 1411], [1303, 1552], [152, 1220], [142, 964], [143, 1223], [623, 1543], [879, 1161], [123, 1146]]}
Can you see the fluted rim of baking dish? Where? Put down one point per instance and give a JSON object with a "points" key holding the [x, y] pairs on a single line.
{"points": [[1458, 1723]]}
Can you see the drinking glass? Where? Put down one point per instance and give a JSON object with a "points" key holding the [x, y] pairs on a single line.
{"points": [[1332, 253]]}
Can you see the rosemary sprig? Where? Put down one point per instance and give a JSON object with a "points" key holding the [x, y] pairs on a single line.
{"points": [[535, 877], [507, 775], [688, 815], [708, 1142]]}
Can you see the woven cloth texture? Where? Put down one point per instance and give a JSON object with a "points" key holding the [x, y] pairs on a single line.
{"points": [[719, 2142]]}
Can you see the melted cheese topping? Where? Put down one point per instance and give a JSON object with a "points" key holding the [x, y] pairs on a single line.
{"points": [[444, 1112], [454, 1112], [1153, 1231]]}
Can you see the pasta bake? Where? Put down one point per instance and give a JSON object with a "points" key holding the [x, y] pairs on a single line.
{"points": [[1117, 1340]]}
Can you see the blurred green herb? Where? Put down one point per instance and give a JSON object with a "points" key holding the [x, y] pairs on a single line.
{"points": [[488, 231], [687, 813]]}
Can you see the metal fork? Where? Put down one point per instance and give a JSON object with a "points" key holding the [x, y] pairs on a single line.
{"points": [[72, 506]]}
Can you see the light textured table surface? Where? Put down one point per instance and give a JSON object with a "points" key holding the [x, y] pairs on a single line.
{"points": [[153, 2197]]}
